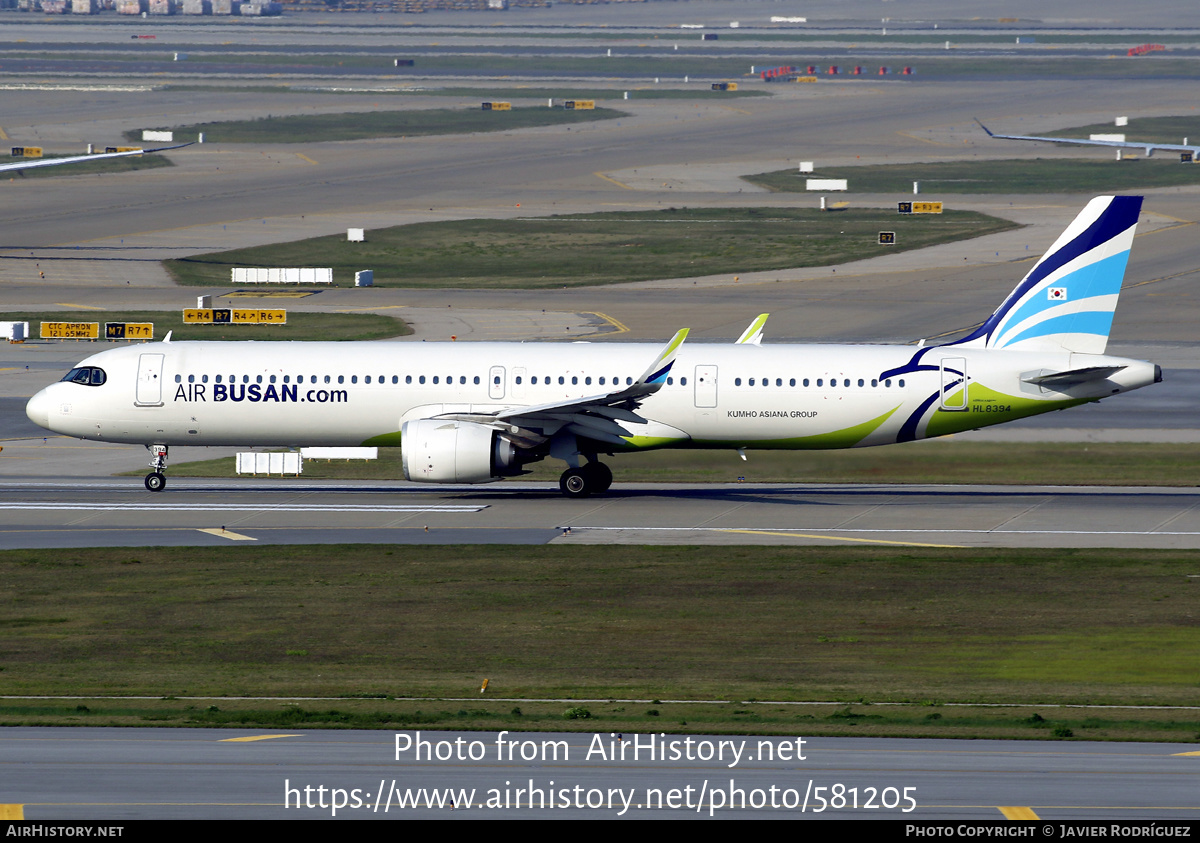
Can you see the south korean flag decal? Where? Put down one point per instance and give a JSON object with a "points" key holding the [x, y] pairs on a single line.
{"points": [[1056, 293]]}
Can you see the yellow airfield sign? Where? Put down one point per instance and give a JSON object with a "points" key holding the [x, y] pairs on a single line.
{"points": [[233, 316], [70, 330], [129, 330]]}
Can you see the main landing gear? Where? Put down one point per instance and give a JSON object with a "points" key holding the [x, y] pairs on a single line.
{"points": [[590, 479], [156, 480]]}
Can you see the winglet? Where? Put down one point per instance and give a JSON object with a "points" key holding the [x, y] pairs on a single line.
{"points": [[985, 128], [753, 335], [656, 375]]}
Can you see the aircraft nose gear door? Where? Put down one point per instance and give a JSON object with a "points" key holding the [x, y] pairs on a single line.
{"points": [[954, 383], [149, 380]]}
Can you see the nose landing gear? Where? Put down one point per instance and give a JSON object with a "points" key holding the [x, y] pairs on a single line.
{"points": [[156, 480]]}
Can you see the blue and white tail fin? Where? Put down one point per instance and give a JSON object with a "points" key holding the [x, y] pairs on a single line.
{"points": [[1067, 301]]}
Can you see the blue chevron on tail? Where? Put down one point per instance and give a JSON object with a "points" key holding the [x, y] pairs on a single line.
{"points": [[1067, 300]]}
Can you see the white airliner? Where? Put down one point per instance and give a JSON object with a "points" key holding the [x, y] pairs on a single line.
{"points": [[477, 412], [33, 163], [1145, 146]]}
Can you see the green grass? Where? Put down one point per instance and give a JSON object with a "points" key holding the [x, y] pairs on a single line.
{"points": [[936, 461], [610, 248], [856, 719], [106, 165], [1041, 175], [300, 326], [319, 128], [377, 624]]}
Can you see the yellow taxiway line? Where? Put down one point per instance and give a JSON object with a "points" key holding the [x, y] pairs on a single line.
{"points": [[221, 532], [614, 181], [1011, 813], [620, 326], [838, 538], [251, 738]]}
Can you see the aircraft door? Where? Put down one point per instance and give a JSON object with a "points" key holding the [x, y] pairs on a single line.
{"points": [[954, 384], [706, 386], [496, 382], [149, 381]]}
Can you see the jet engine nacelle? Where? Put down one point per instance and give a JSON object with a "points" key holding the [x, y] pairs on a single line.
{"points": [[437, 451]]}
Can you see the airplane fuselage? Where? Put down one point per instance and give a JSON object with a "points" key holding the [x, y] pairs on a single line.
{"points": [[717, 395]]}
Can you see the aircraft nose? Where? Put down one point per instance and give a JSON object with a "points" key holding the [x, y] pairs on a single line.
{"points": [[38, 409]]}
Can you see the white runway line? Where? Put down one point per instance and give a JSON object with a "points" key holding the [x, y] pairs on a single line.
{"points": [[831, 530], [51, 506]]}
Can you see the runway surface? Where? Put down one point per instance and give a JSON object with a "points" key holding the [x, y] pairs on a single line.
{"points": [[122, 774], [121, 513]]}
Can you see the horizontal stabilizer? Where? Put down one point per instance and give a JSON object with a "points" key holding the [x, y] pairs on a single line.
{"points": [[1074, 376]]}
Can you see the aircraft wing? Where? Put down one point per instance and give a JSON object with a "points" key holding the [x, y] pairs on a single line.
{"points": [[1147, 147], [74, 159], [596, 417]]}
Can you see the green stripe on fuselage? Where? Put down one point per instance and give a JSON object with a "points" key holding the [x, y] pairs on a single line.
{"points": [[383, 440], [987, 407]]}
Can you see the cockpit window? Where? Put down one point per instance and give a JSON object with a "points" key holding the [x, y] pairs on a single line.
{"points": [[86, 375]]}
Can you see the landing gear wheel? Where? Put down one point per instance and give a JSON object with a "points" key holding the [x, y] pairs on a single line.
{"points": [[156, 481], [576, 483], [601, 476]]}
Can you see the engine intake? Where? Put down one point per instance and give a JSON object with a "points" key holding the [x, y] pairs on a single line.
{"points": [[443, 451]]}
